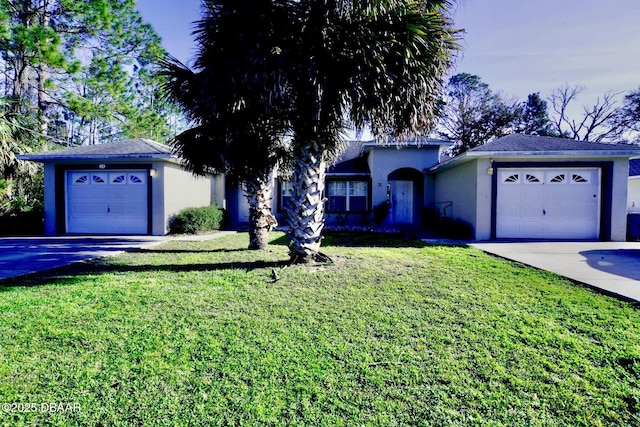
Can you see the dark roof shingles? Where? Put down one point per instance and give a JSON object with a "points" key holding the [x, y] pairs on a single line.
{"points": [[533, 143], [128, 148]]}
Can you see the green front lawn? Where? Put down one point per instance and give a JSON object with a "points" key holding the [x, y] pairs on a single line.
{"points": [[394, 333]]}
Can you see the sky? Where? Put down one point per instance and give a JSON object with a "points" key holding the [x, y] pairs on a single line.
{"points": [[518, 47]]}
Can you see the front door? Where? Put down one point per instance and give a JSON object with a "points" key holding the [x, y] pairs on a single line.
{"points": [[402, 202]]}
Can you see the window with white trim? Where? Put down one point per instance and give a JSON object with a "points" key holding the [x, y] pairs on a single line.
{"points": [[347, 196]]}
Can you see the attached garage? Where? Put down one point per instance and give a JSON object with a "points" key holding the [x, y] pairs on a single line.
{"points": [[534, 187], [131, 187], [548, 203]]}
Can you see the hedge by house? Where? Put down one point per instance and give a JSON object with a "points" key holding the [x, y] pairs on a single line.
{"points": [[196, 220]]}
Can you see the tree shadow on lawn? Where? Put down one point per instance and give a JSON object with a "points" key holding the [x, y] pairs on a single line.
{"points": [[372, 238], [184, 251], [70, 274], [67, 274]]}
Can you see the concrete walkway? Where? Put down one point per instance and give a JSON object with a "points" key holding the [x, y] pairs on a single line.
{"points": [[611, 267], [25, 255]]}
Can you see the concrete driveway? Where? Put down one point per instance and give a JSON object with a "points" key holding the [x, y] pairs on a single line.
{"points": [[612, 267], [24, 255]]}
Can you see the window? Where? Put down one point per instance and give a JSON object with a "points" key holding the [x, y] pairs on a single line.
{"points": [[118, 179], [578, 178], [513, 178], [532, 178], [136, 178], [347, 196], [82, 179], [285, 194], [98, 178], [558, 179], [358, 196]]}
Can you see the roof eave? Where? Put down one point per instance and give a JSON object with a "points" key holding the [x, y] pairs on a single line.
{"points": [[567, 153], [470, 155], [54, 158]]}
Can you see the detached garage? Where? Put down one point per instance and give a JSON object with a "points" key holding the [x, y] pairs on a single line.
{"points": [[532, 187], [130, 187]]}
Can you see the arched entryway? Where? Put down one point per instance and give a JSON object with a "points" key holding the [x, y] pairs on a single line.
{"points": [[406, 188]]}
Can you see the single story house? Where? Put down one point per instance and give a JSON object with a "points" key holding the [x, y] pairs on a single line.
{"points": [[515, 187], [125, 187]]}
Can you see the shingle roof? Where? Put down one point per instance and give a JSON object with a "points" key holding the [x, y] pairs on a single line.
{"points": [[139, 148], [533, 143], [357, 166], [518, 146]]}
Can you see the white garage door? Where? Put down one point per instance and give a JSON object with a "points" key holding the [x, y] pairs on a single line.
{"points": [[106, 202], [548, 203]]}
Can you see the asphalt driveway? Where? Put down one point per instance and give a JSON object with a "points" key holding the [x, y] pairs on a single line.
{"points": [[611, 267], [24, 255]]}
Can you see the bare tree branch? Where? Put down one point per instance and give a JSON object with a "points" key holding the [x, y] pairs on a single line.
{"points": [[597, 122]]}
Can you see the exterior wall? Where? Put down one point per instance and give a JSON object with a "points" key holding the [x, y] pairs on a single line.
{"points": [[181, 190], [633, 195], [459, 186], [484, 199], [50, 218], [237, 205], [384, 160], [619, 200]]}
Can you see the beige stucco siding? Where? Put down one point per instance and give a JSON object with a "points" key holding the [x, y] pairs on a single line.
{"points": [[633, 195], [385, 160], [619, 200], [460, 187], [181, 190], [50, 200]]}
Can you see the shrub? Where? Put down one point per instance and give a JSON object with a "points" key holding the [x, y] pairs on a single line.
{"points": [[196, 220], [30, 223], [381, 212], [455, 229]]}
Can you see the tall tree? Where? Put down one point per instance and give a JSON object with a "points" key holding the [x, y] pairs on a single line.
{"points": [[235, 100], [596, 123], [535, 117], [307, 69], [377, 63], [76, 64], [472, 114], [628, 116], [17, 136]]}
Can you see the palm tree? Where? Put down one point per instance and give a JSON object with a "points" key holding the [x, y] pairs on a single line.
{"points": [[362, 62], [234, 99], [17, 136]]}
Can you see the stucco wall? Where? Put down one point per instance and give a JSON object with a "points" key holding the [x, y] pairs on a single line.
{"points": [[181, 190], [50, 199], [633, 195], [384, 160], [460, 187], [619, 200]]}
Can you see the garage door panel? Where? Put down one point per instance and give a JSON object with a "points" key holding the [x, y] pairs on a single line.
{"points": [[107, 202], [548, 203]]}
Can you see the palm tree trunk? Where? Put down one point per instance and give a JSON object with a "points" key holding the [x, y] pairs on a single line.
{"points": [[259, 193], [306, 212]]}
